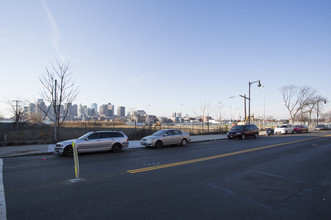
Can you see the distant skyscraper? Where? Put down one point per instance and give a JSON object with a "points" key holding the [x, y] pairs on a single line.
{"points": [[121, 111], [111, 110], [95, 107], [32, 109], [107, 110], [103, 110]]}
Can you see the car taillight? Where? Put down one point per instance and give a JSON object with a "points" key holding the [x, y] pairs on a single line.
{"points": [[127, 139]]}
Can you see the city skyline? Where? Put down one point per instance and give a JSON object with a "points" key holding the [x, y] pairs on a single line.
{"points": [[168, 56], [104, 112]]}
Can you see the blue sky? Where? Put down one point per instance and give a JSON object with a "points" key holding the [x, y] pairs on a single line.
{"points": [[170, 55]]}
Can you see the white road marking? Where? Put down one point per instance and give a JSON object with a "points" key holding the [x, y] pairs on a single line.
{"points": [[3, 214]]}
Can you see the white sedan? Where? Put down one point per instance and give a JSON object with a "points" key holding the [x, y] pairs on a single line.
{"points": [[284, 129]]}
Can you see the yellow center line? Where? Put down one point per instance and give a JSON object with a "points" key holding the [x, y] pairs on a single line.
{"points": [[217, 156]]}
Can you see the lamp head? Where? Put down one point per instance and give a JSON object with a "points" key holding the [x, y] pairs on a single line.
{"points": [[259, 85]]}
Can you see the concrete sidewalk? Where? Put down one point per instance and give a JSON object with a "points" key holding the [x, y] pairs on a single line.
{"points": [[15, 151]]}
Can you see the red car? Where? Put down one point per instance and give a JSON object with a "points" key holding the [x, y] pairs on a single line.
{"points": [[300, 128]]}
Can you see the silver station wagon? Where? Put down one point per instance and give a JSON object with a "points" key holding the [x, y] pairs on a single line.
{"points": [[166, 137], [94, 141]]}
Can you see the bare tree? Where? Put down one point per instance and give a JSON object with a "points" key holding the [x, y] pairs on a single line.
{"points": [[289, 94], [219, 112], [16, 107], [58, 88], [17, 110], [205, 108], [296, 99], [311, 105], [305, 96]]}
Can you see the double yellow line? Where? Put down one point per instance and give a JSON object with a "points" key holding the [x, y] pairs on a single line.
{"points": [[217, 156]]}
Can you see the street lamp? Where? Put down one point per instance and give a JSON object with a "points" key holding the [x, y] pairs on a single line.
{"points": [[249, 98], [231, 97], [320, 100]]}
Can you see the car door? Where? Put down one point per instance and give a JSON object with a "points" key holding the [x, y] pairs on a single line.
{"points": [[107, 139], [91, 143], [168, 137], [177, 137]]}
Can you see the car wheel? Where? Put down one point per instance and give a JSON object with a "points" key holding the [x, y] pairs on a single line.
{"points": [[286, 132], [243, 137], [158, 144], [256, 135], [184, 142], [67, 152], [116, 148]]}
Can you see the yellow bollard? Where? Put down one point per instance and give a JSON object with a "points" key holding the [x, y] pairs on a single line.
{"points": [[75, 154]]}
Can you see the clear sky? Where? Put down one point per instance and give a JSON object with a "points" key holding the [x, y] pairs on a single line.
{"points": [[167, 56]]}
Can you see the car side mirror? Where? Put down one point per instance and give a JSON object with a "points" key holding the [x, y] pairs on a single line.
{"points": [[164, 135], [86, 139]]}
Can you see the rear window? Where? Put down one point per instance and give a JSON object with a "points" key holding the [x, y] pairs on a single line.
{"points": [[177, 132], [117, 134]]}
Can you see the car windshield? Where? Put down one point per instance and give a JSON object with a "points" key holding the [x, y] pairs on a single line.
{"points": [[158, 133], [283, 126], [85, 136], [238, 127]]}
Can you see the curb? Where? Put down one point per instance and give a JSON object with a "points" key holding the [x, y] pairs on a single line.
{"points": [[23, 155]]}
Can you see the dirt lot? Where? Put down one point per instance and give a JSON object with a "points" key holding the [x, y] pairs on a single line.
{"points": [[44, 134]]}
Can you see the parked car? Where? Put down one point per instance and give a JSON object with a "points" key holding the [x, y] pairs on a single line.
{"points": [[300, 129], [284, 129], [94, 141], [321, 127], [243, 131], [166, 137]]}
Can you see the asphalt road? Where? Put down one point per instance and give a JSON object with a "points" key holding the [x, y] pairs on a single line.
{"points": [[276, 177]]}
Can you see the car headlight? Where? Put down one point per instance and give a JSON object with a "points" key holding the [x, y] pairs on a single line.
{"points": [[238, 133]]}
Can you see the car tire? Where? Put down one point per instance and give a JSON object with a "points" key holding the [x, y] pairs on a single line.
{"points": [[243, 136], [159, 144], [68, 152], [116, 148], [183, 142], [256, 135], [285, 131]]}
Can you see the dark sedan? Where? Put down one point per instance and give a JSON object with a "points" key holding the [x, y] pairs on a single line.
{"points": [[243, 131]]}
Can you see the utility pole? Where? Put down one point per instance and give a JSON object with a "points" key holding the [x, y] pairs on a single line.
{"points": [[17, 117], [244, 96], [55, 112]]}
